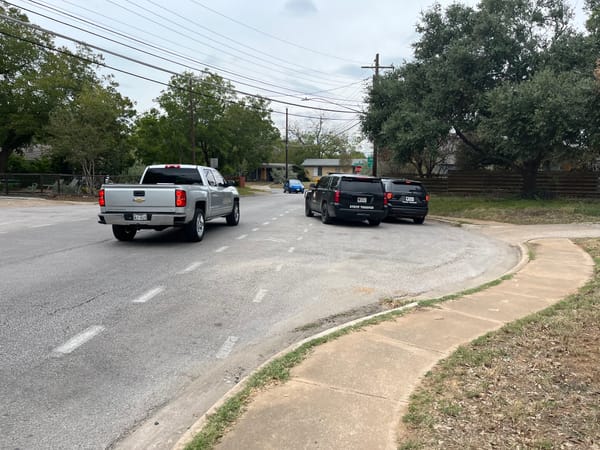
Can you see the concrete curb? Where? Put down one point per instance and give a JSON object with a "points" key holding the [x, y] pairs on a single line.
{"points": [[189, 435]]}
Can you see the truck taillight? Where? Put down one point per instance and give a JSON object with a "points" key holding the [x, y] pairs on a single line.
{"points": [[427, 198], [180, 197], [101, 199], [336, 196]]}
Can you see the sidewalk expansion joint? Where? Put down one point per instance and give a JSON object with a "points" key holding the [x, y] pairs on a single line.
{"points": [[342, 389], [473, 316]]}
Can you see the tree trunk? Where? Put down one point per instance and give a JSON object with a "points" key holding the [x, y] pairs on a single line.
{"points": [[4, 154], [529, 171]]}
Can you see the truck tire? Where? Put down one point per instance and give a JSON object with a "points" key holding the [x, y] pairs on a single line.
{"points": [[194, 230], [374, 222], [325, 218], [124, 232], [419, 220], [307, 210], [234, 218]]}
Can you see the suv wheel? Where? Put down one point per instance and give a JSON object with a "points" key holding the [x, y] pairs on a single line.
{"points": [[307, 211], [325, 214], [374, 222], [419, 220]]}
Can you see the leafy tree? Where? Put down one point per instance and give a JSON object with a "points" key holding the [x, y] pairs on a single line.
{"points": [[203, 111], [317, 141], [35, 78], [156, 139], [541, 119], [195, 107], [91, 131], [251, 134], [468, 60]]}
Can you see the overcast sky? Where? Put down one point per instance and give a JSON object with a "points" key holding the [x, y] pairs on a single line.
{"points": [[295, 52]]}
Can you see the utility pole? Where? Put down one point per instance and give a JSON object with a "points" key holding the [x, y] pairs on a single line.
{"points": [[286, 144], [375, 78], [192, 123]]}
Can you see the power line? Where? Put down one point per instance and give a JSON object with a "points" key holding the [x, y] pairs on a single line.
{"points": [[126, 72], [179, 55], [166, 59], [152, 66], [270, 35]]}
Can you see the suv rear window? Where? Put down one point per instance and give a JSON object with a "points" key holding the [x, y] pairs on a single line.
{"points": [[404, 188], [171, 175], [362, 185]]}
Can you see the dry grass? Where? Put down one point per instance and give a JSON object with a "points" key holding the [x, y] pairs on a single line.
{"points": [[534, 384]]}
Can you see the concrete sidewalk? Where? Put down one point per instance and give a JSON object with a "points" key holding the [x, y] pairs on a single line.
{"points": [[352, 392]]}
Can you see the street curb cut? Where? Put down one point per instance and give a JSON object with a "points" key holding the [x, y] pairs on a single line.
{"points": [[195, 428]]}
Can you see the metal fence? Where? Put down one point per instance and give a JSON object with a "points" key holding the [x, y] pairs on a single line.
{"points": [[53, 184]]}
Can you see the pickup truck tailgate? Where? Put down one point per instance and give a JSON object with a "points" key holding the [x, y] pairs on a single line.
{"points": [[144, 197]]}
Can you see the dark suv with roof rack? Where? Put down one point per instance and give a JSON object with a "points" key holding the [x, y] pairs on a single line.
{"points": [[347, 197], [406, 199]]}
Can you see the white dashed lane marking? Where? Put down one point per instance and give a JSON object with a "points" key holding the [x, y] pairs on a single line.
{"points": [[243, 236], [78, 340], [259, 296], [222, 249], [226, 348], [149, 295], [191, 267], [291, 249], [278, 268], [255, 229]]}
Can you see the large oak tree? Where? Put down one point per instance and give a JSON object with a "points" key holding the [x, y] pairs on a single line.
{"points": [[475, 74]]}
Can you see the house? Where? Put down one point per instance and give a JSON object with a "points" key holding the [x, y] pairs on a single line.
{"points": [[265, 171], [316, 168]]}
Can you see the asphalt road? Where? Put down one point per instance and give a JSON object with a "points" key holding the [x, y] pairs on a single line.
{"points": [[106, 344]]}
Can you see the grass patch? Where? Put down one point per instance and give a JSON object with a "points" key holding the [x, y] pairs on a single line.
{"points": [[517, 211]]}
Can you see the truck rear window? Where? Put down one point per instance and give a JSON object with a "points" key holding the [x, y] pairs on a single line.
{"points": [[171, 175]]}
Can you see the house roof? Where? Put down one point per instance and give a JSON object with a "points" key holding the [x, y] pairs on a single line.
{"points": [[321, 162], [330, 162]]}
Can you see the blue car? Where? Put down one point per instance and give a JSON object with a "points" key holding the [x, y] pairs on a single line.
{"points": [[293, 185]]}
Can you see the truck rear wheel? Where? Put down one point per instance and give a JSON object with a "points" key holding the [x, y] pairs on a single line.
{"points": [[124, 232], [234, 218], [194, 230]]}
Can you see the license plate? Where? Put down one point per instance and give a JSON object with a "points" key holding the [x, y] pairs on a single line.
{"points": [[361, 199], [140, 217], [409, 199]]}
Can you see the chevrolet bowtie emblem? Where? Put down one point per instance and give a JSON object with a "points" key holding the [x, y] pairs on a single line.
{"points": [[139, 199]]}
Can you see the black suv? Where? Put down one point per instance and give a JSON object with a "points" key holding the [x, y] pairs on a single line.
{"points": [[347, 197], [406, 199]]}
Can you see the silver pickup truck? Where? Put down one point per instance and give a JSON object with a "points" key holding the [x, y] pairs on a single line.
{"points": [[169, 195]]}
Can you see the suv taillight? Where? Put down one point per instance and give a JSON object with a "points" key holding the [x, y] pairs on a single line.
{"points": [[180, 197], [101, 199], [336, 197], [388, 196], [427, 197]]}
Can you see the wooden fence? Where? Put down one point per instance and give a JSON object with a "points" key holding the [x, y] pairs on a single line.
{"points": [[549, 184]]}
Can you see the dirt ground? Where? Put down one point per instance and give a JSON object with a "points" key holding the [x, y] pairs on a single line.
{"points": [[23, 202]]}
